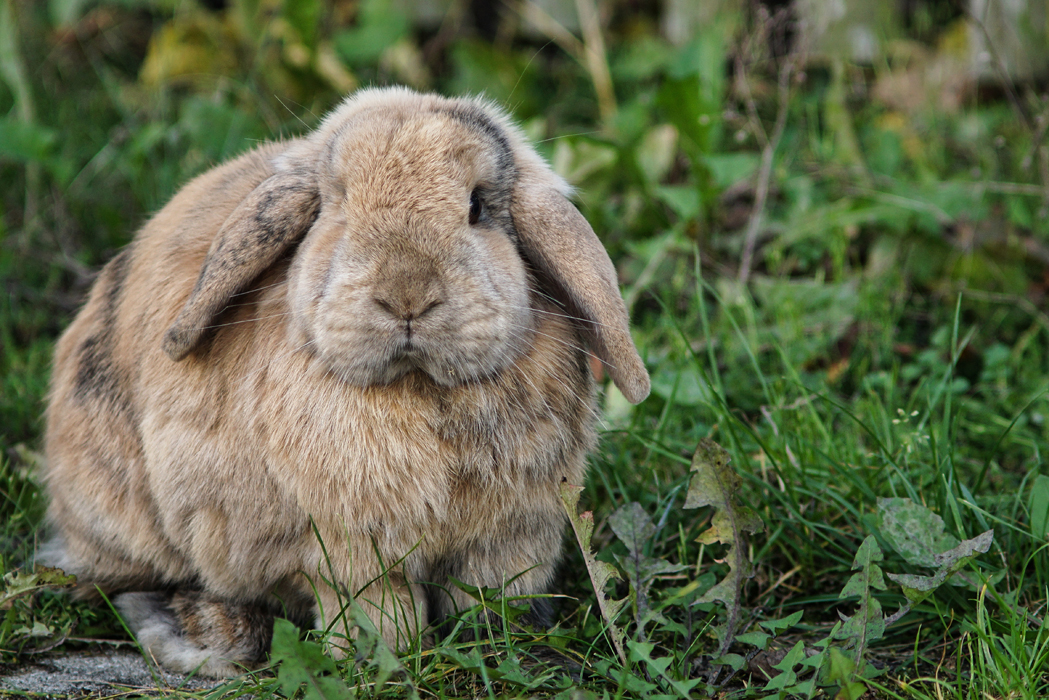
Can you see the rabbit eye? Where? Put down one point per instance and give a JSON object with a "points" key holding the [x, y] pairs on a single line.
{"points": [[475, 207]]}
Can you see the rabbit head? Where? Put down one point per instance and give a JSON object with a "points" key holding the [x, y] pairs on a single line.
{"points": [[425, 219]]}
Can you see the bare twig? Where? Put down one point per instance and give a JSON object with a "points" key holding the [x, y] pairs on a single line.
{"points": [[596, 58], [590, 52], [769, 143], [1037, 126], [999, 66]]}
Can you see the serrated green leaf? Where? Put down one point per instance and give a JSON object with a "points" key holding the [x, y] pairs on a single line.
{"points": [[600, 572], [794, 657], [641, 653], [782, 624], [715, 483], [20, 583], [304, 663], [734, 661], [632, 526], [867, 624], [758, 639], [635, 529]]}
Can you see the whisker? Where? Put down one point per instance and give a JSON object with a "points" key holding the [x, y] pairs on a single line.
{"points": [[557, 315], [257, 289], [571, 390], [567, 345], [539, 292], [546, 404], [247, 320], [567, 136]]}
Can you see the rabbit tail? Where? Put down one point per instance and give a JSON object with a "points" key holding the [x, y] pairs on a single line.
{"points": [[191, 631]]}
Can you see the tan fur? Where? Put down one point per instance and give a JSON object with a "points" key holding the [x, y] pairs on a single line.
{"points": [[243, 367]]}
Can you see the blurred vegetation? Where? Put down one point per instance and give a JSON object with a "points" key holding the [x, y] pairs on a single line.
{"points": [[836, 270]]}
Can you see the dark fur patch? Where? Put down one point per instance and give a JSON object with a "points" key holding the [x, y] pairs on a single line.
{"points": [[97, 374], [242, 631], [498, 194]]}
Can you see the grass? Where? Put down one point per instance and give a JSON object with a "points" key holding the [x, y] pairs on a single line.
{"points": [[888, 341]]}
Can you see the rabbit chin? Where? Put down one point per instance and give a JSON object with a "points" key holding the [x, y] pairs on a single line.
{"points": [[386, 365]]}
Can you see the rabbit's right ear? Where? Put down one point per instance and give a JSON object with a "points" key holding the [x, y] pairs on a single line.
{"points": [[270, 219]]}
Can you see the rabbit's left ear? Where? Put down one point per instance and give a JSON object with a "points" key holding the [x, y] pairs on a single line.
{"points": [[562, 245]]}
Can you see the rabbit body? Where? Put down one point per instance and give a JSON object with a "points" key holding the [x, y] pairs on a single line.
{"points": [[357, 332]]}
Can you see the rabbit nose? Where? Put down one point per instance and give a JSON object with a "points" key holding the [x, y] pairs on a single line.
{"points": [[409, 289], [406, 311]]}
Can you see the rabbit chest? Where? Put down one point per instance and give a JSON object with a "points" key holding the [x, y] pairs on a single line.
{"points": [[407, 459], [404, 465]]}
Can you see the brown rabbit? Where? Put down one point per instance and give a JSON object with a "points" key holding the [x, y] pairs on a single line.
{"points": [[379, 328]]}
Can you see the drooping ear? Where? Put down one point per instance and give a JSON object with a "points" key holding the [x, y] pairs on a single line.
{"points": [[562, 245], [269, 220]]}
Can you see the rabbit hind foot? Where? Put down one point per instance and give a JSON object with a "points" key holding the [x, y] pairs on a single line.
{"points": [[193, 632]]}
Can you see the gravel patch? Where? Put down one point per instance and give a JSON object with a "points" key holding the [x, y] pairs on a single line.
{"points": [[91, 675]]}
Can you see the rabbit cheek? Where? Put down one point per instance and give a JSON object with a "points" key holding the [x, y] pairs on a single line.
{"points": [[309, 278]]}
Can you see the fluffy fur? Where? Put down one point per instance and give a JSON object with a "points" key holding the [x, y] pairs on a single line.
{"points": [[378, 328]]}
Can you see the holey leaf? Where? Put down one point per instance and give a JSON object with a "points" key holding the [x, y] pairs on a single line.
{"points": [[19, 584], [915, 532], [600, 572], [714, 483], [918, 588]]}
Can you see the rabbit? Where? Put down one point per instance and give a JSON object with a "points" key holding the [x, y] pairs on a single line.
{"points": [[355, 363]]}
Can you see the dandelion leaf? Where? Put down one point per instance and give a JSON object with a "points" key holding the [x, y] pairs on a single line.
{"points": [[600, 572], [867, 624], [18, 584], [635, 529], [915, 532], [714, 483], [304, 663], [918, 588]]}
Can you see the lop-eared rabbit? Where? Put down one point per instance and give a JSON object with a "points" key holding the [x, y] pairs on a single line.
{"points": [[380, 330]]}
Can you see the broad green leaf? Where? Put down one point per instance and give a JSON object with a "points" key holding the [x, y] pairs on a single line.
{"points": [[655, 154], [685, 387], [683, 200], [758, 639], [842, 671], [726, 169], [25, 142], [918, 588], [915, 532], [734, 661], [379, 26]]}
